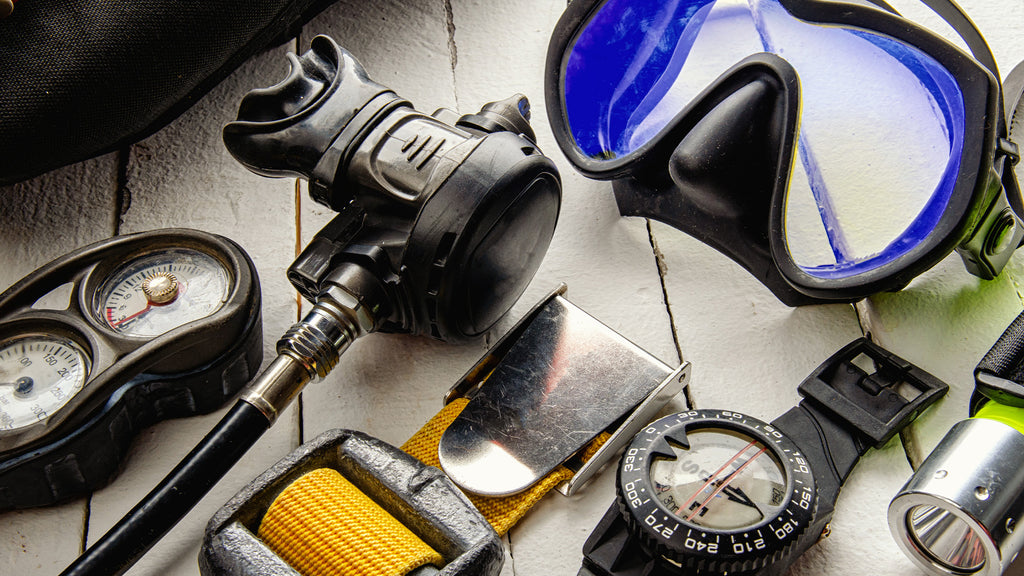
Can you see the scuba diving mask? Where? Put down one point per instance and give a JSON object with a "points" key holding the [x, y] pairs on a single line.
{"points": [[833, 149]]}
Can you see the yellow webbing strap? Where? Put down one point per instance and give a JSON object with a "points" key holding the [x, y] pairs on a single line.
{"points": [[323, 530], [501, 512], [323, 525]]}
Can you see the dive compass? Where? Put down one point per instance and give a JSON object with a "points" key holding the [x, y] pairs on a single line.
{"points": [[718, 492]]}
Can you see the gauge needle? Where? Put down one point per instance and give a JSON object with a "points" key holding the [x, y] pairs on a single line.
{"points": [[728, 479], [738, 495], [149, 306], [22, 385]]}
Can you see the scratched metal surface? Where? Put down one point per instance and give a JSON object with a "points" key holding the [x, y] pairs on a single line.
{"points": [[658, 287]]}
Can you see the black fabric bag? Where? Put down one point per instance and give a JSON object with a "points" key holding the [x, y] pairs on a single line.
{"points": [[80, 78]]}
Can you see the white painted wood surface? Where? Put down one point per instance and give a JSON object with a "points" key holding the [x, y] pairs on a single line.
{"points": [[659, 287]]}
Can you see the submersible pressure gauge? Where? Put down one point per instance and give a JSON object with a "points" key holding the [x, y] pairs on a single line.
{"points": [[112, 338], [719, 492]]}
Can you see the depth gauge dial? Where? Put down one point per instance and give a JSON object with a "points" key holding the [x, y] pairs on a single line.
{"points": [[156, 293], [39, 374]]}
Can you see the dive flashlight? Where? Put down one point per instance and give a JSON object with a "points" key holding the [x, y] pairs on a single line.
{"points": [[959, 512]]}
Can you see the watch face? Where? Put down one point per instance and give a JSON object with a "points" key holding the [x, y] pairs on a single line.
{"points": [[716, 489], [725, 480]]}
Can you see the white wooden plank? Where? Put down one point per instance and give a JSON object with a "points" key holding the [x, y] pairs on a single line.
{"points": [[749, 351], [184, 176], [946, 319], [41, 219], [606, 261], [53, 214], [387, 385]]}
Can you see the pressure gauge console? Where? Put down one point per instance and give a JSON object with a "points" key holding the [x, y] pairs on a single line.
{"points": [[155, 325]]}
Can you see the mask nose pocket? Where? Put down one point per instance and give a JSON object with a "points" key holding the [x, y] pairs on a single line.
{"points": [[728, 163], [722, 163]]}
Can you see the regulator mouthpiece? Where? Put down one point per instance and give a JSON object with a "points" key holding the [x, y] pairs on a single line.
{"points": [[443, 220], [959, 512]]}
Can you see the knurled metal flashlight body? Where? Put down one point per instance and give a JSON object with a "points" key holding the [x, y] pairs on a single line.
{"points": [[976, 475]]}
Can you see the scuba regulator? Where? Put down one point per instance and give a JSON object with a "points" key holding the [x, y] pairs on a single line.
{"points": [[442, 222]]}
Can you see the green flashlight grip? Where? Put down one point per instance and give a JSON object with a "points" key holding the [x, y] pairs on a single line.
{"points": [[1012, 416]]}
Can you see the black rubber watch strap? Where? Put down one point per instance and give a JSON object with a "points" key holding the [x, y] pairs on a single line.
{"points": [[612, 551], [870, 391], [858, 398], [831, 449]]}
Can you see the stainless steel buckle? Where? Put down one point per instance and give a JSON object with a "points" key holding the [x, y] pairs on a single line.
{"points": [[548, 388]]}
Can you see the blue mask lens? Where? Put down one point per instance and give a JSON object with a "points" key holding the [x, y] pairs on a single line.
{"points": [[881, 126]]}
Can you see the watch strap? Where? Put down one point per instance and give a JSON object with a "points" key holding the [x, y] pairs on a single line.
{"points": [[860, 397], [610, 550], [831, 448]]}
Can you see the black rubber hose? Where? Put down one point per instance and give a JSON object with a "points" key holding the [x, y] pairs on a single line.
{"points": [[179, 491]]}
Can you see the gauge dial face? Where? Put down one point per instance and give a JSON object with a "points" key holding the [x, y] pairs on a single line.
{"points": [[724, 480], [158, 292], [717, 489], [39, 374]]}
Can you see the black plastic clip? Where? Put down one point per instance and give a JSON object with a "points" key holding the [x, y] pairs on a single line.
{"points": [[418, 496], [872, 389]]}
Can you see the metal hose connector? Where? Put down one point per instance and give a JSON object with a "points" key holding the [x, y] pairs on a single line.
{"points": [[319, 340], [310, 349]]}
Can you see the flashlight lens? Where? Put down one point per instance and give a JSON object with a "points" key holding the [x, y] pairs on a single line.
{"points": [[946, 538]]}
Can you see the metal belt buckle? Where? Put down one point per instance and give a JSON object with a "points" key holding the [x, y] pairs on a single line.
{"points": [[551, 385], [418, 496]]}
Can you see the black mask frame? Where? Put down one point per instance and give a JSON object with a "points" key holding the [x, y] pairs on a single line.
{"points": [[719, 170]]}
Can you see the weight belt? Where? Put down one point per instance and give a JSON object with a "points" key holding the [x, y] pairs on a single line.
{"points": [[323, 525]]}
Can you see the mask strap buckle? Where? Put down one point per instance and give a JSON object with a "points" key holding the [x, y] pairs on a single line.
{"points": [[1000, 230]]}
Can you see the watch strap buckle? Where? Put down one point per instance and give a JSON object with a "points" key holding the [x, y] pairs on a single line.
{"points": [[874, 391]]}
